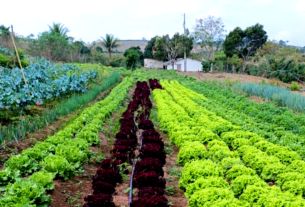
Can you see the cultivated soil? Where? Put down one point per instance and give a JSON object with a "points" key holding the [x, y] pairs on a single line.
{"points": [[71, 193], [31, 138]]}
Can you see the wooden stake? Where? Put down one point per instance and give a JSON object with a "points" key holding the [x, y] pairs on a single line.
{"points": [[12, 36]]}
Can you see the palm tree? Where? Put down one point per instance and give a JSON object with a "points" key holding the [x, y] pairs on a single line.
{"points": [[110, 42], [58, 28]]}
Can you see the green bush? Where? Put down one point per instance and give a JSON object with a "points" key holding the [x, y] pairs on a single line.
{"points": [[4, 61], [295, 86], [117, 62]]}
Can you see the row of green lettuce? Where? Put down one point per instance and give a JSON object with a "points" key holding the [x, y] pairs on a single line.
{"points": [[14, 132], [59, 156], [245, 159], [277, 125]]}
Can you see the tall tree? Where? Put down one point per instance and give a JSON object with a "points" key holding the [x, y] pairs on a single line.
{"points": [[209, 33], [110, 42], [148, 51], [173, 47], [59, 29], [245, 43], [132, 60]]}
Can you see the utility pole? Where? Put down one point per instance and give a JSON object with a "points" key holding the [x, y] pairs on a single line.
{"points": [[184, 45]]}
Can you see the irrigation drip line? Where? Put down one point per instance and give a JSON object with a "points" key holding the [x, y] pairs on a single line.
{"points": [[134, 165]]}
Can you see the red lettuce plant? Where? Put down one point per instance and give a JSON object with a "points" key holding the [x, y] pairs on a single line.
{"points": [[103, 187], [150, 201], [148, 179], [153, 150], [149, 164], [149, 191], [150, 133], [98, 200], [146, 124], [111, 176], [153, 140]]}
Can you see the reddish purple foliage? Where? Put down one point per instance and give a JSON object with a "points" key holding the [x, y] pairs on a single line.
{"points": [[150, 133], [103, 187], [147, 179], [129, 142], [121, 149], [146, 124], [154, 84], [111, 176], [150, 201], [149, 191], [98, 200], [109, 163], [153, 140], [126, 134], [153, 150], [121, 157], [149, 164]]}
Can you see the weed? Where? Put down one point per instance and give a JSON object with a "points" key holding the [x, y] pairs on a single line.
{"points": [[170, 190], [169, 151], [73, 200], [127, 190], [97, 157], [176, 172]]}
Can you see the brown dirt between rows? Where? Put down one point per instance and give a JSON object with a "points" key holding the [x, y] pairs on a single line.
{"points": [[81, 186], [42, 134]]}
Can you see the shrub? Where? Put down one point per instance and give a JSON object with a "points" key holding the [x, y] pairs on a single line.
{"points": [[295, 86]]}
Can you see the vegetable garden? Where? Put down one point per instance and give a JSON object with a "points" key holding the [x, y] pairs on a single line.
{"points": [[232, 151]]}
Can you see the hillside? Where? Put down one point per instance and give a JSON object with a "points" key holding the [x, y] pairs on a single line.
{"points": [[126, 44]]}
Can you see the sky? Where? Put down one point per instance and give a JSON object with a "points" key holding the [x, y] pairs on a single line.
{"points": [[134, 19]]}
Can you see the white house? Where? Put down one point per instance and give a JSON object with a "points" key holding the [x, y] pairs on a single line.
{"points": [[151, 63], [191, 65]]}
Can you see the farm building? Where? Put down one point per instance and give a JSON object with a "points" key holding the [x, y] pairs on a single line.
{"points": [[151, 63], [191, 65]]}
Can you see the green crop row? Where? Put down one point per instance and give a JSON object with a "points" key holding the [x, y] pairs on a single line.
{"points": [[190, 126], [29, 125], [59, 156], [278, 126]]}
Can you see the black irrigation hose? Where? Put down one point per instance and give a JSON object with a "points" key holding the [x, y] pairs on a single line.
{"points": [[134, 165]]}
